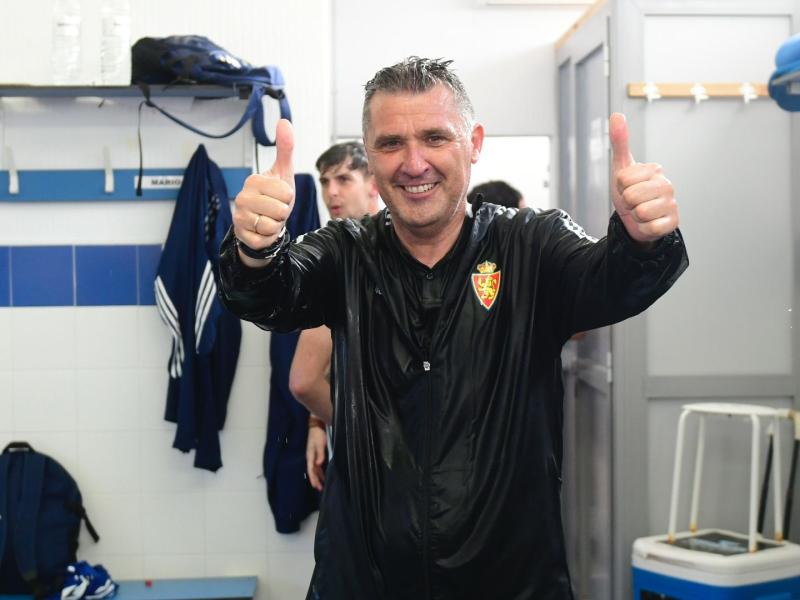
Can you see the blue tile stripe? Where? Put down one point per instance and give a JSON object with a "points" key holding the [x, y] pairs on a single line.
{"points": [[5, 276], [70, 185], [118, 275]]}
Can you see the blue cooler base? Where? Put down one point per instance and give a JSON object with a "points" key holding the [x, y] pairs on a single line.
{"points": [[653, 586]]}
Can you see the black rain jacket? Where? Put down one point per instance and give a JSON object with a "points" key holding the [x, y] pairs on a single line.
{"points": [[445, 479]]}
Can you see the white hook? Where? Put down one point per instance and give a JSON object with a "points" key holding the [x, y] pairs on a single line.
{"points": [[651, 91], [13, 176], [109, 184], [699, 93], [748, 92]]}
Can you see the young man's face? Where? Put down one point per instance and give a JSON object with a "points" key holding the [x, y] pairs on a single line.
{"points": [[348, 192], [421, 155]]}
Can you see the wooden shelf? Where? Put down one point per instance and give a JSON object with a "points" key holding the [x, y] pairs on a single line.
{"points": [[685, 90]]}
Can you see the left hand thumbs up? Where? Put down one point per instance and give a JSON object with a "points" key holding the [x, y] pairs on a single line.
{"points": [[643, 198]]}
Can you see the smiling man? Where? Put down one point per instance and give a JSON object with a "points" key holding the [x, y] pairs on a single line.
{"points": [[447, 331]]}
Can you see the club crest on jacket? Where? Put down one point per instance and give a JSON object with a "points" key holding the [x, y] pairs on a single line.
{"points": [[486, 283]]}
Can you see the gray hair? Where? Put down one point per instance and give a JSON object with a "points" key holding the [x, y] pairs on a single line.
{"points": [[418, 75]]}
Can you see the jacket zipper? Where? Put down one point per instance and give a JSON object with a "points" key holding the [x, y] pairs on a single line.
{"points": [[426, 535]]}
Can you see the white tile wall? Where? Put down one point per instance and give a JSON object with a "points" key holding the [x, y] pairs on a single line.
{"points": [[43, 338], [175, 565], [229, 523], [174, 522], [106, 336], [6, 403], [87, 385], [117, 517], [108, 399], [44, 400], [99, 411], [5, 338], [109, 461]]}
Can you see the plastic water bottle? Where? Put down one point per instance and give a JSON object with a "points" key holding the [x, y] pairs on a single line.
{"points": [[115, 48], [66, 51]]}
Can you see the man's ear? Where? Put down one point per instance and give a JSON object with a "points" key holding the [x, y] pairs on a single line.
{"points": [[373, 186], [477, 142]]}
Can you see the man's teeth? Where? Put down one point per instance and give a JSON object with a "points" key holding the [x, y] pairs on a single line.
{"points": [[418, 189]]}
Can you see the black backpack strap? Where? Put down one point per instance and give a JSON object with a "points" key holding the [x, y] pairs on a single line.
{"points": [[254, 111], [253, 106], [25, 531], [259, 131], [79, 510], [17, 446]]}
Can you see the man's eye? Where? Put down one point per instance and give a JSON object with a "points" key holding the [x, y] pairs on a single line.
{"points": [[436, 139]]}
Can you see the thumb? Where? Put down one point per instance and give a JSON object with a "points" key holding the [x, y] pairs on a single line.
{"points": [[618, 132], [284, 142]]}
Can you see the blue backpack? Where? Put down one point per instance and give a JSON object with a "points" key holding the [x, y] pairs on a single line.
{"points": [[40, 518], [194, 59]]}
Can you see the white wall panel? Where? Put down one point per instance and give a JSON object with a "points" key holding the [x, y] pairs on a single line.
{"points": [[503, 54], [730, 164]]}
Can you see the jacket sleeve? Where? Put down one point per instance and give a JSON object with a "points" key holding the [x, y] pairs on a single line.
{"points": [[299, 289], [593, 283]]}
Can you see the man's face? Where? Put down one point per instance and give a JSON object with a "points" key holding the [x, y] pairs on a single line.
{"points": [[347, 192], [421, 155]]}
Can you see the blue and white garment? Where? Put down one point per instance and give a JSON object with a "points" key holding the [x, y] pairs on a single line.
{"points": [[290, 496], [205, 336]]}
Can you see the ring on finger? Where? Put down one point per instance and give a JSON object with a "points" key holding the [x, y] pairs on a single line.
{"points": [[255, 224]]}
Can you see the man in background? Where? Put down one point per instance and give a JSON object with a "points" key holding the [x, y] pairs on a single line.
{"points": [[349, 191]]}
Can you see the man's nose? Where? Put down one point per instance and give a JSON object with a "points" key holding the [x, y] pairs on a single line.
{"points": [[415, 163]]}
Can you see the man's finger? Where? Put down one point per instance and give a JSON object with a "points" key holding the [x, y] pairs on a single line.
{"points": [[284, 141], [618, 132]]}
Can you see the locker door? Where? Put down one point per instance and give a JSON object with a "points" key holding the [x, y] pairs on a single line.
{"points": [[584, 192]]}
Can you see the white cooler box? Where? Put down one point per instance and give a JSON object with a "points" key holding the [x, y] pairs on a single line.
{"points": [[714, 564]]}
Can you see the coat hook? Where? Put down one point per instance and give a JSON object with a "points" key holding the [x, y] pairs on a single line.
{"points": [[13, 176], [748, 92], [699, 93], [651, 91], [109, 183]]}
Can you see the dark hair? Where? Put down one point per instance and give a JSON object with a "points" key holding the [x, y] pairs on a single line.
{"points": [[496, 192], [350, 152], [418, 75]]}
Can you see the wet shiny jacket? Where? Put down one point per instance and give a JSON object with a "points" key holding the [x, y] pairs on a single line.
{"points": [[445, 479]]}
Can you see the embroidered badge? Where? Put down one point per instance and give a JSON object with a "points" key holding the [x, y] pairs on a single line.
{"points": [[486, 283]]}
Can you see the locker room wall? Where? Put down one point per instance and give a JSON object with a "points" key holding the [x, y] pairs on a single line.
{"points": [[503, 54], [727, 331], [88, 384], [733, 174]]}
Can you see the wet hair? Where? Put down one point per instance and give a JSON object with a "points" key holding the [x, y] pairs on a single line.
{"points": [[418, 75], [496, 192], [351, 153]]}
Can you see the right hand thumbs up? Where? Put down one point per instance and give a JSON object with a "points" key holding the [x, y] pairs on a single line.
{"points": [[265, 202]]}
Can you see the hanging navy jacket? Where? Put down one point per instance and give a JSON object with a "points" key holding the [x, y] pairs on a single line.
{"points": [[446, 472], [205, 336], [290, 496]]}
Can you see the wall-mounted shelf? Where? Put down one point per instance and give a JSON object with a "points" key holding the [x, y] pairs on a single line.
{"points": [[123, 91]]}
